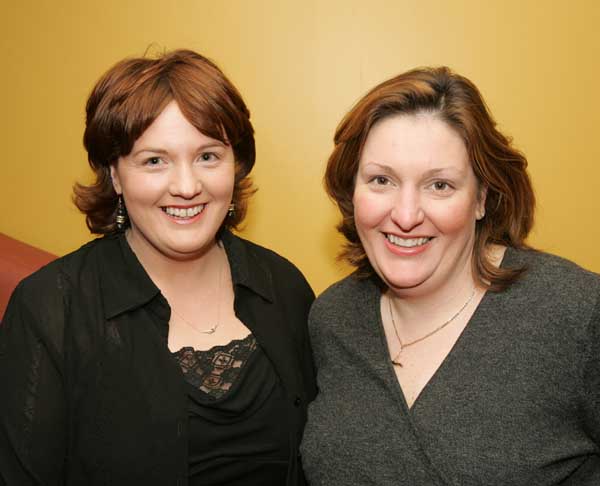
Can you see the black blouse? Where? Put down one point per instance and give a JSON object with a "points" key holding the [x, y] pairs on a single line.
{"points": [[234, 393], [90, 393]]}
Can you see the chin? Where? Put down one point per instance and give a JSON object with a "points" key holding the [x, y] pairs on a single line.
{"points": [[404, 283], [185, 250], [183, 255]]}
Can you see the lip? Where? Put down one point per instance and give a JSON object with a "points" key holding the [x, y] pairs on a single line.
{"points": [[407, 251], [182, 206], [405, 237], [185, 221]]}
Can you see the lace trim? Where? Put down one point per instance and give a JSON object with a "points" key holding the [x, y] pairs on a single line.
{"points": [[217, 369]]}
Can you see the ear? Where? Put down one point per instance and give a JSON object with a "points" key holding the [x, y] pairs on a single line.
{"points": [[481, 197], [114, 177]]}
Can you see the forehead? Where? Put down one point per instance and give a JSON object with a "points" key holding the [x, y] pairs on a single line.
{"points": [[171, 127], [421, 141]]}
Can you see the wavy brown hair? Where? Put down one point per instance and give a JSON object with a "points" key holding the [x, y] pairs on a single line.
{"points": [[131, 95], [498, 166]]}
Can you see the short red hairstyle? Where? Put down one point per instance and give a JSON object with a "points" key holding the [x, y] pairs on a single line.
{"points": [[131, 95]]}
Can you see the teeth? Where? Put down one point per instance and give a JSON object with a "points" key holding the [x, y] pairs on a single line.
{"points": [[406, 242], [183, 212]]}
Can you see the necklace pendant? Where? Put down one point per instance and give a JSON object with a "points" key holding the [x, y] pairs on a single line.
{"points": [[396, 359], [211, 330]]}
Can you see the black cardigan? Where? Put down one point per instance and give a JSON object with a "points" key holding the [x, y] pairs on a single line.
{"points": [[89, 391]]}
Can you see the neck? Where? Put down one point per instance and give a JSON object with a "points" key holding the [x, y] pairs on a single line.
{"points": [[167, 272], [416, 306]]}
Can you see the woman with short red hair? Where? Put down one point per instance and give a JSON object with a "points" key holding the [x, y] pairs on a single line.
{"points": [[169, 351]]}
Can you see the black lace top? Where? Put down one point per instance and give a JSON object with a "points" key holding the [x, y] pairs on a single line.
{"points": [[233, 392]]}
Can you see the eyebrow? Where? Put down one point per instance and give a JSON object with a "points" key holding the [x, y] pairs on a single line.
{"points": [[150, 149], [160, 151], [430, 173], [441, 170], [384, 167]]}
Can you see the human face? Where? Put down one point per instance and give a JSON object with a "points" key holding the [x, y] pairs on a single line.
{"points": [[177, 185], [416, 200]]}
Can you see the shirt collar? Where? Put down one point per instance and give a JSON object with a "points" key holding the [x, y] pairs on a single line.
{"points": [[247, 268], [124, 282], [126, 285]]}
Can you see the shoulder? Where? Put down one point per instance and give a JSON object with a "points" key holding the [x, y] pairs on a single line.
{"points": [[284, 275], [547, 262], [40, 301], [273, 260], [45, 291], [270, 257], [347, 296], [53, 275], [346, 314], [558, 297], [59, 273], [555, 277]]}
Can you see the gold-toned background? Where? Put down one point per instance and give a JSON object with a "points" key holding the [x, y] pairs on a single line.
{"points": [[300, 67]]}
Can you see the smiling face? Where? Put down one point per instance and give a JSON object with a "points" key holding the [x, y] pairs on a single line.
{"points": [[177, 185], [416, 201]]}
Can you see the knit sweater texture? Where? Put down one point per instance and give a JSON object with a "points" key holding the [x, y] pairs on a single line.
{"points": [[515, 402]]}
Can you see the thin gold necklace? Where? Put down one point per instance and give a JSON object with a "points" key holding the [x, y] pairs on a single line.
{"points": [[396, 359], [214, 327]]}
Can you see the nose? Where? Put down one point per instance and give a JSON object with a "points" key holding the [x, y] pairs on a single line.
{"points": [[184, 182], [407, 212]]}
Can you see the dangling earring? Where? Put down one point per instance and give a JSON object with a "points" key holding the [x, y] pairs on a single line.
{"points": [[121, 217], [231, 210]]}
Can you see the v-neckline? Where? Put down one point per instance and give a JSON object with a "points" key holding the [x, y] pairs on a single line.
{"points": [[469, 328], [455, 349]]}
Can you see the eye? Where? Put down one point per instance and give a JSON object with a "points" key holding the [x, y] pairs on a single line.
{"points": [[380, 180], [208, 157], [153, 161], [441, 186]]}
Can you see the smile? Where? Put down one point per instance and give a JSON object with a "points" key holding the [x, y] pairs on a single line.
{"points": [[406, 242], [183, 213]]}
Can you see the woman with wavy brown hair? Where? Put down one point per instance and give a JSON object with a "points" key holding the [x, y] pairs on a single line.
{"points": [[168, 351], [454, 354]]}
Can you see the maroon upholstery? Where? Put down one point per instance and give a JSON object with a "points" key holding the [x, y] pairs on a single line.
{"points": [[17, 260]]}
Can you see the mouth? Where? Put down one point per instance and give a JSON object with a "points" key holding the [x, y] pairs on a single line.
{"points": [[407, 242], [183, 213]]}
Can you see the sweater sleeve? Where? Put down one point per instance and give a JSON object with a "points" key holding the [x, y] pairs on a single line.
{"points": [[592, 377], [32, 405], [308, 366]]}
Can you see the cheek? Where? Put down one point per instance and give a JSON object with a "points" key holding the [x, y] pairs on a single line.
{"points": [[141, 189], [457, 217], [221, 183], [369, 210]]}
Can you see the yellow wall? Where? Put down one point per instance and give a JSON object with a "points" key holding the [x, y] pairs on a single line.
{"points": [[300, 66]]}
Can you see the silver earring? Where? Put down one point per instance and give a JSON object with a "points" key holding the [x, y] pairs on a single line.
{"points": [[231, 210], [121, 217]]}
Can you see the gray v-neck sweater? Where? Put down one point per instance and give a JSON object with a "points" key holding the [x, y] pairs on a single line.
{"points": [[515, 402]]}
